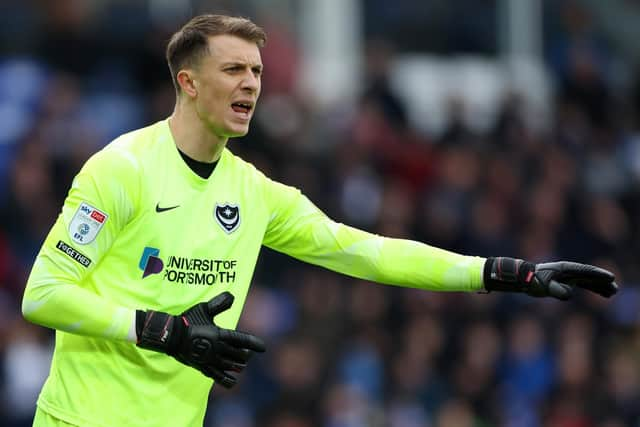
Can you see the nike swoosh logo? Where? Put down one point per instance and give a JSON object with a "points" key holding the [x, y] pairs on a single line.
{"points": [[159, 209]]}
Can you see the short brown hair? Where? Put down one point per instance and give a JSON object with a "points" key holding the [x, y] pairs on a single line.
{"points": [[190, 43]]}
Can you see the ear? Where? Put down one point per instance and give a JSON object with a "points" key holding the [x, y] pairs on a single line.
{"points": [[187, 83]]}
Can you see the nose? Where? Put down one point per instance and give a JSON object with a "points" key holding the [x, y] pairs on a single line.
{"points": [[251, 82]]}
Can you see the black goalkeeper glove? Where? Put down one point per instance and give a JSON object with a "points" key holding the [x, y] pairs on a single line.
{"points": [[193, 339], [549, 279]]}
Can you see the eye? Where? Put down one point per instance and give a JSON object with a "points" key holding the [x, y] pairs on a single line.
{"points": [[257, 71], [233, 69]]}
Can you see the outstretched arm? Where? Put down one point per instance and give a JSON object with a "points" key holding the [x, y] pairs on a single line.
{"points": [[300, 229]]}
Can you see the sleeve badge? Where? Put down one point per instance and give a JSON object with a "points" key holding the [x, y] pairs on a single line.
{"points": [[86, 224]]}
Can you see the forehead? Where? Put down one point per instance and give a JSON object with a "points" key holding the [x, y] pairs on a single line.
{"points": [[227, 48]]}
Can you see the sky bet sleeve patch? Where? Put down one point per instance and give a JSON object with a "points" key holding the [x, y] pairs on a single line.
{"points": [[86, 224], [75, 255]]}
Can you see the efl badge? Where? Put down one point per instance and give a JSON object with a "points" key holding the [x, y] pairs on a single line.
{"points": [[228, 216], [86, 224]]}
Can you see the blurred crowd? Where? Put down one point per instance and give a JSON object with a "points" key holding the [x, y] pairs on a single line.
{"points": [[344, 352]]}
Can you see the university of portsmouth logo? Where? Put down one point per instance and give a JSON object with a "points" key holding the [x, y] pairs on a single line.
{"points": [[150, 263], [184, 270], [228, 216]]}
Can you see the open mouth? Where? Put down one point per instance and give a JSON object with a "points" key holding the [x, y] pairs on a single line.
{"points": [[242, 107]]}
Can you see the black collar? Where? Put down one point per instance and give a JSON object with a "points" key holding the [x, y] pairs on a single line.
{"points": [[202, 169]]}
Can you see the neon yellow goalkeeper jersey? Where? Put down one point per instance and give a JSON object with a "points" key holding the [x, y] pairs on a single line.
{"points": [[140, 230]]}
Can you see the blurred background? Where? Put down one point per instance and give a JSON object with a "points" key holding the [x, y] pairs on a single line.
{"points": [[486, 127]]}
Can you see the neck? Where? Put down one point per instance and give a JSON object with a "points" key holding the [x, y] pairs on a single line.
{"points": [[192, 136]]}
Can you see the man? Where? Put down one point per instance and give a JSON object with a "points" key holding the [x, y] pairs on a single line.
{"points": [[166, 218]]}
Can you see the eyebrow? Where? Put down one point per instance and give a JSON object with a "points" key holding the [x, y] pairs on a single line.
{"points": [[241, 64]]}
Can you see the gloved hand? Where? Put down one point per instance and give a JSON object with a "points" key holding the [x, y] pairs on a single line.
{"points": [[554, 279], [193, 339]]}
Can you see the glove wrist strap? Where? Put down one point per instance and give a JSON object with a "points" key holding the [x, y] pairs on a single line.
{"points": [[140, 316], [155, 330], [507, 274]]}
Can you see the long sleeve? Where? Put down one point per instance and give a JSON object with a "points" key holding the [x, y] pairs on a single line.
{"points": [[98, 206], [298, 228]]}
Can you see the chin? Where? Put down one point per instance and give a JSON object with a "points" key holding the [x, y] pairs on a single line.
{"points": [[238, 131]]}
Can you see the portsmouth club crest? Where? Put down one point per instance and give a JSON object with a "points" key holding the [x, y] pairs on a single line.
{"points": [[228, 216]]}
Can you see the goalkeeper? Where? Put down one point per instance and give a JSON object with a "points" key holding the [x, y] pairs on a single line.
{"points": [[160, 233]]}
